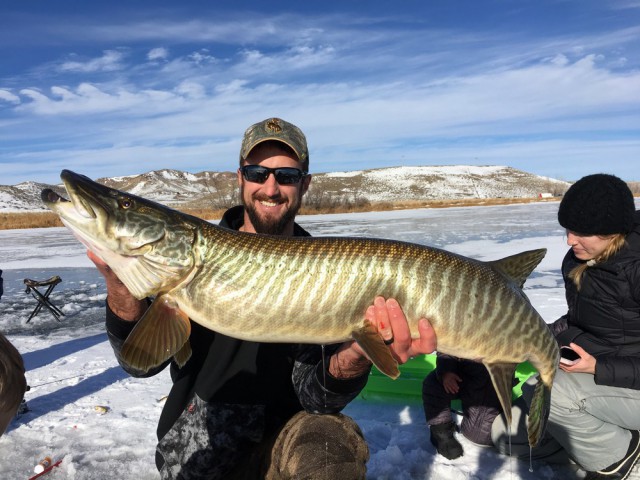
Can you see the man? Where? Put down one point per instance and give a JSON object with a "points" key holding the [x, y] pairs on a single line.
{"points": [[241, 409]]}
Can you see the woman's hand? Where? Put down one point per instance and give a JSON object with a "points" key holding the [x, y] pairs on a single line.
{"points": [[586, 364]]}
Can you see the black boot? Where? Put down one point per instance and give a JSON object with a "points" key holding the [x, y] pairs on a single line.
{"points": [[442, 438], [622, 468]]}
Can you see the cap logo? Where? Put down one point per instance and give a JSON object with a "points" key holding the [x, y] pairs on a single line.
{"points": [[273, 126]]}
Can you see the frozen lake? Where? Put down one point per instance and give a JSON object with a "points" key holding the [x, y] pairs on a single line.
{"points": [[71, 367]]}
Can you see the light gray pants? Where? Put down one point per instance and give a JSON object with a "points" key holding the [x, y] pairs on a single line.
{"points": [[588, 423]]}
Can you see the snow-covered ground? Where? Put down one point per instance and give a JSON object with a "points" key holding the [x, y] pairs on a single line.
{"points": [[71, 368]]}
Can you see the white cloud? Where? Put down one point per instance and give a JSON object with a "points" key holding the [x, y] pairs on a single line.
{"points": [[7, 96], [108, 62], [159, 53], [560, 60], [296, 58], [88, 99], [624, 4], [202, 57], [191, 89], [384, 90]]}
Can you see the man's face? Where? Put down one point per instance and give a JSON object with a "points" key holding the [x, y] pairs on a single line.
{"points": [[270, 207]]}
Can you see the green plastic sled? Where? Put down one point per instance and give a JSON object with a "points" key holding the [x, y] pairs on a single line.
{"points": [[408, 386]]}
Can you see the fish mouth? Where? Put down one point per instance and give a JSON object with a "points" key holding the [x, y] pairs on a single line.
{"points": [[83, 203]]}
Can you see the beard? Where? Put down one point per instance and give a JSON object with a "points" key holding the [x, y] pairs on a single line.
{"points": [[272, 226]]}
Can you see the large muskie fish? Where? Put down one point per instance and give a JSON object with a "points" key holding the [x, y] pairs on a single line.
{"points": [[306, 290]]}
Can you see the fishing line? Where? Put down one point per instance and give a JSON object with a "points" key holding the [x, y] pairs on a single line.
{"points": [[324, 381], [59, 380]]}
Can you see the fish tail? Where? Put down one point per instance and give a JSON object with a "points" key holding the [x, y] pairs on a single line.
{"points": [[538, 412]]}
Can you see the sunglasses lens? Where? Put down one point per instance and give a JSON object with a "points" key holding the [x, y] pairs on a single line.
{"points": [[255, 173], [259, 174], [287, 176]]}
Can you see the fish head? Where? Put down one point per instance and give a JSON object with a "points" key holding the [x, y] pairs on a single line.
{"points": [[149, 246]]}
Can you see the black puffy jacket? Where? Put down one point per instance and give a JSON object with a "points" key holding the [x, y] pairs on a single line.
{"points": [[604, 316]]}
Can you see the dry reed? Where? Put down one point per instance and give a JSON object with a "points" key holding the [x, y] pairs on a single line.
{"points": [[18, 220]]}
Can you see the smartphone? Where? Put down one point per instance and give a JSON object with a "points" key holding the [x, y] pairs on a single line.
{"points": [[568, 356]]}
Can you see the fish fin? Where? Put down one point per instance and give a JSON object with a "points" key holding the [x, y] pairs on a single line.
{"points": [[518, 267], [162, 332], [538, 412], [502, 378], [373, 345], [183, 355], [143, 275]]}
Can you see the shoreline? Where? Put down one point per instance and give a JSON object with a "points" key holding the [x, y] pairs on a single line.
{"points": [[13, 220]]}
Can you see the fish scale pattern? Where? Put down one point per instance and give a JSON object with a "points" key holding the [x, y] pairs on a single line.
{"points": [[294, 290]]}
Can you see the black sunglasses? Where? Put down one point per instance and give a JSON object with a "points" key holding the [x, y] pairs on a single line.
{"points": [[283, 175]]}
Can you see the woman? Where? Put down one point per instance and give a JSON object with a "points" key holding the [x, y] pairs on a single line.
{"points": [[595, 401]]}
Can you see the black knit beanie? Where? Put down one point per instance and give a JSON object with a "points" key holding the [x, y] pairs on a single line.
{"points": [[598, 204]]}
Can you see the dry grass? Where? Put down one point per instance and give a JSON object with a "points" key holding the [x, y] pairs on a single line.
{"points": [[11, 221], [384, 206]]}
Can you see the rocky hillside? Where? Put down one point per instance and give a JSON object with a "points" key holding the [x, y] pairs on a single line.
{"points": [[219, 189]]}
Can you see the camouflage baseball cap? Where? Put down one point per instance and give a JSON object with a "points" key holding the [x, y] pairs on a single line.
{"points": [[279, 130]]}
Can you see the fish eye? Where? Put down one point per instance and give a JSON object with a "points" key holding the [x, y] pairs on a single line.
{"points": [[125, 203]]}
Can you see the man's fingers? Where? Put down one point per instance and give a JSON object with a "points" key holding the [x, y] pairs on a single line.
{"points": [[398, 322], [382, 320], [97, 260], [370, 314], [427, 342], [389, 319]]}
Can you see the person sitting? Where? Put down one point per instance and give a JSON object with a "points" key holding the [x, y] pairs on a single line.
{"points": [[595, 400], [467, 380]]}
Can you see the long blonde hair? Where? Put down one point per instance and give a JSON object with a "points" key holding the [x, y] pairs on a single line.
{"points": [[616, 243], [12, 381]]}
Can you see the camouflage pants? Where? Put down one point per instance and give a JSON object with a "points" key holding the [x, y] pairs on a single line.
{"points": [[310, 447]]}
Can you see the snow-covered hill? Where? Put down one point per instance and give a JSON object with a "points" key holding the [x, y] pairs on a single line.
{"points": [[218, 189]]}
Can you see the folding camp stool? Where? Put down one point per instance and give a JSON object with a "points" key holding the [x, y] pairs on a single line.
{"points": [[43, 299]]}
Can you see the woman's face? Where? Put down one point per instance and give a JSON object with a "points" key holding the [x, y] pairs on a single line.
{"points": [[586, 247]]}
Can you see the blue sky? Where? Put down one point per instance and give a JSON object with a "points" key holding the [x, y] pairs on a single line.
{"points": [[551, 87]]}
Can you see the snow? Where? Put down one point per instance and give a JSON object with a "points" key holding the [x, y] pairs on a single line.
{"points": [[71, 368], [437, 170], [124, 177], [352, 173]]}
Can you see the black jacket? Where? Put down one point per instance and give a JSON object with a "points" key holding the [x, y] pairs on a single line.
{"points": [[604, 316], [271, 381]]}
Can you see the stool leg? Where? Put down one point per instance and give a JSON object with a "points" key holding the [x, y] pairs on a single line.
{"points": [[43, 301]]}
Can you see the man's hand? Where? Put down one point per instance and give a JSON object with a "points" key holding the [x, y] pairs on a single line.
{"points": [[120, 300], [388, 317], [390, 321]]}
